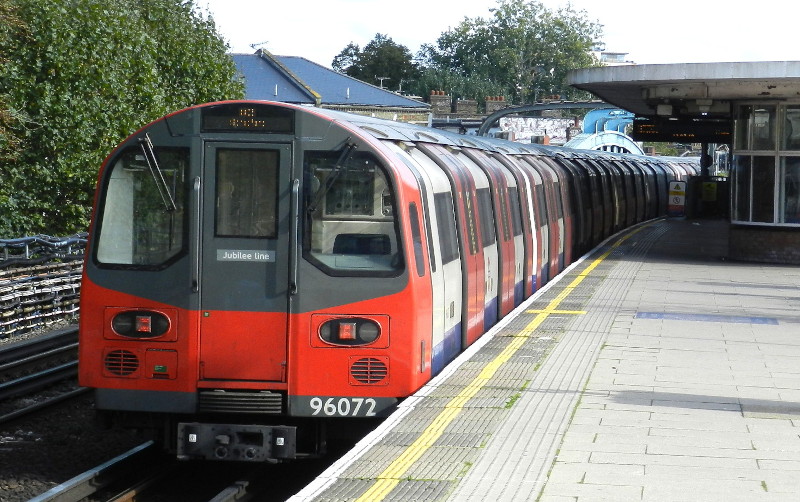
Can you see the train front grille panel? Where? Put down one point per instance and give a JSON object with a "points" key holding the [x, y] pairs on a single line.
{"points": [[121, 362], [234, 401], [368, 371]]}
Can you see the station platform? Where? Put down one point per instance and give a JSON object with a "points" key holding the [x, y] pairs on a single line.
{"points": [[652, 370]]}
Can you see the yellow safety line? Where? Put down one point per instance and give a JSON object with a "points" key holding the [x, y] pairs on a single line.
{"points": [[393, 474], [576, 312]]}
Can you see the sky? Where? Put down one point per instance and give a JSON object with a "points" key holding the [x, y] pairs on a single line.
{"points": [[651, 32]]}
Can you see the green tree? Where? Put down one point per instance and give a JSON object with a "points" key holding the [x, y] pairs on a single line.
{"points": [[382, 62], [346, 59], [456, 85], [523, 47], [80, 76], [9, 140]]}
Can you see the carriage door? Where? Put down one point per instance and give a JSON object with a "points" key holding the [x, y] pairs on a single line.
{"points": [[244, 261]]}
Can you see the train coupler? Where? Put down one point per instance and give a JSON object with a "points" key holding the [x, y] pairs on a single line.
{"points": [[235, 442]]}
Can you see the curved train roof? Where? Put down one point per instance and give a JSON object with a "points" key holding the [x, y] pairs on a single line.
{"points": [[401, 131]]}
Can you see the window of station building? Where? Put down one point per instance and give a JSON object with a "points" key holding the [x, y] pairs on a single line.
{"points": [[790, 139], [754, 189], [763, 190], [763, 128], [741, 188], [790, 190], [350, 217], [766, 172], [755, 127]]}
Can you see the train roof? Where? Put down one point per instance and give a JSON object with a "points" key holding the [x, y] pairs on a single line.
{"points": [[401, 131]]}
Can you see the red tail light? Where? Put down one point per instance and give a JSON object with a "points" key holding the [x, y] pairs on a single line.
{"points": [[144, 324], [349, 331]]}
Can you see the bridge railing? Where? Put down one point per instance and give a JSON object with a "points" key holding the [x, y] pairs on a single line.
{"points": [[40, 281]]}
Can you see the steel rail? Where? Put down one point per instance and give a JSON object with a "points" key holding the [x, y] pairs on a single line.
{"points": [[97, 478], [43, 404], [13, 352], [38, 381]]}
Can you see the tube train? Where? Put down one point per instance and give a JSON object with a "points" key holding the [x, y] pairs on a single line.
{"points": [[256, 271]]}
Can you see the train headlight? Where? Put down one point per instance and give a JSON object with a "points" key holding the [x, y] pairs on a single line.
{"points": [[140, 324], [349, 331]]}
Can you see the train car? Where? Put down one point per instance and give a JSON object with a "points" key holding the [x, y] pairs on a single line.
{"points": [[258, 273]]}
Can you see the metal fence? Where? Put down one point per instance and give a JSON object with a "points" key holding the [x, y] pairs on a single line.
{"points": [[40, 282]]}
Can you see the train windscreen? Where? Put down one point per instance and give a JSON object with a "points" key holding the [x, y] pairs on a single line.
{"points": [[350, 215], [140, 224]]}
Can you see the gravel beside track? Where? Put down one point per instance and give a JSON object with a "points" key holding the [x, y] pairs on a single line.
{"points": [[40, 452]]}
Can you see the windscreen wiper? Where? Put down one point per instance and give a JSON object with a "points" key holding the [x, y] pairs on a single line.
{"points": [[338, 168], [158, 176]]}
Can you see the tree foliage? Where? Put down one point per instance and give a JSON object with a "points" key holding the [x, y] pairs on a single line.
{"points": [[456, 84], [81, 75], [523, 51], [382, 62], [523, 47], [9, 140]]}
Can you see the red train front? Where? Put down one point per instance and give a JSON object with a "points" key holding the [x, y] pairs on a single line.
{"points": [[246, 267], [257, 271]]}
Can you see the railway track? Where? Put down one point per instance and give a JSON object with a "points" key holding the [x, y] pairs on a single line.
{"points": [[145, 475], [104, 476], [23, 356], [32, 365]]}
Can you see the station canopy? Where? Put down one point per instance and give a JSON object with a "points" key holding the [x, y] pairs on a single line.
{"points": [[688, 102]]}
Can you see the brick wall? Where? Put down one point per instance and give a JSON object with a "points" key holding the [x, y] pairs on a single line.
{"points": [[467, 107], [495, 103], [765, 244], [441, 103]]}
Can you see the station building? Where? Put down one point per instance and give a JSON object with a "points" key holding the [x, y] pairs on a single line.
{"points": [[752, 106]]}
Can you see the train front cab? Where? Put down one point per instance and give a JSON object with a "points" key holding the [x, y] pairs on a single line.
{"points": [[237, 274]]}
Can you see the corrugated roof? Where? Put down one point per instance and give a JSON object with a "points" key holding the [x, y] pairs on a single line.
{"points": [[301, 81]]}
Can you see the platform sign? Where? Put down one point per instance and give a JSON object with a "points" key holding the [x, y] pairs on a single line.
{"points": [[709, 191], [676, 202]]}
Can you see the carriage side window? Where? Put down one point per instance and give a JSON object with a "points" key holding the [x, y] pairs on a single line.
{"points": [[516, 210], [487, 217], [350, 226], [247, 193], [416, 237], [445, 218], [137, 226]]}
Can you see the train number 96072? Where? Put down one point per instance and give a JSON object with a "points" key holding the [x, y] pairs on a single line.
{"points": [[341, 406]]}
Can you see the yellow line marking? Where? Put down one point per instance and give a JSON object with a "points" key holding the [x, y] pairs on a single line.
{"points": [[576, 312], [393, 474]]}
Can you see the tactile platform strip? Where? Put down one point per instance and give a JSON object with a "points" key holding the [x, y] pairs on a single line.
{"points": [[412, 490], [443, 463]]}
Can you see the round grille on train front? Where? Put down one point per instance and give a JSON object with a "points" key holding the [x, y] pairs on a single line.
{"points": [[368, 371], [121, 362]]}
